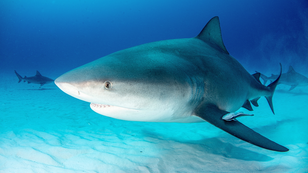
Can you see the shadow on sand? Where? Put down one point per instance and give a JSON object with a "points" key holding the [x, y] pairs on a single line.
{"points": [[214, 146]]}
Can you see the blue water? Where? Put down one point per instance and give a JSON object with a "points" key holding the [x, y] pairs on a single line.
{"points": [[55, 36], [61, 35]]}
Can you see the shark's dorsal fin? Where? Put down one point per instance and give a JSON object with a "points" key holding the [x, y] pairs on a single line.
{"points": [[211, 34], [38, 73], [291, 70]]}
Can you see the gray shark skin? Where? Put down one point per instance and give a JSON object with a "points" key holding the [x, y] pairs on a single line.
{"points": [[180, 80], [37, 79], [291, 78]]}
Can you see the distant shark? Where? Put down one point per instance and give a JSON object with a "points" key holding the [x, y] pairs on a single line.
{"points": [[180, 80], [291, 78], [37, 79]]}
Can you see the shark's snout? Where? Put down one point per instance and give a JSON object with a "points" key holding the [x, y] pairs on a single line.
{"points": [[57, 82], [61, 83], [75, 89], [68, 82], [66, 87]]}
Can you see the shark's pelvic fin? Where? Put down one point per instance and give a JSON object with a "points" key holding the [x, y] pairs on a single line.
{"points": [[211, 33], [272, 87], [247, 105], [213, 115]]}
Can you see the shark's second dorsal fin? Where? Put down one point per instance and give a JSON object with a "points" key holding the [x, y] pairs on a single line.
{"points": [[211, 34], [257, 76], [38, 73]]}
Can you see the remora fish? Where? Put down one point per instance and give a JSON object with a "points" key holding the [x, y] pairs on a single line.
{"points": [[37, 79], [291, 78], [180, 80]]}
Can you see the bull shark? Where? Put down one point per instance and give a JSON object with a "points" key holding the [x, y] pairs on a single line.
{"points": [[291, 78], [180, 80], [37, 79]]}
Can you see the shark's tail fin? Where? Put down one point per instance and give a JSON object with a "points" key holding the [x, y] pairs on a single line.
{"points": [[19, 77], [272, 87]]}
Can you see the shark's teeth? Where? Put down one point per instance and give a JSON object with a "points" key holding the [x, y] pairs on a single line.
{"points": [[100, 105]]}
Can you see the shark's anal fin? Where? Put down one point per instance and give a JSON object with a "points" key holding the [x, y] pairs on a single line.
{"points": [[255, 101], [212, 114]]}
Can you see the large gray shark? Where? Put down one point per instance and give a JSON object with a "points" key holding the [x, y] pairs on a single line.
{"points": [[180, 80], [291, 78], [37, 79]]}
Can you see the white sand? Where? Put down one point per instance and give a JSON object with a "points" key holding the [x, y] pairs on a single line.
{"points": [[49, 131]]}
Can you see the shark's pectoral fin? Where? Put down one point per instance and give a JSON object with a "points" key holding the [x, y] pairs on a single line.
{"points": [[292, 87], [213, 115]]}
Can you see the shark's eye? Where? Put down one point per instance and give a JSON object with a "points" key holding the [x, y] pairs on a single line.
{"points": [[107, 85]]}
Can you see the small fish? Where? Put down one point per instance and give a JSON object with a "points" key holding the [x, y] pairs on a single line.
{"points": [[233, 115]]}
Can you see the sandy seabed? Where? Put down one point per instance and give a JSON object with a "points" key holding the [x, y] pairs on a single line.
{"points": [[45, 130]]}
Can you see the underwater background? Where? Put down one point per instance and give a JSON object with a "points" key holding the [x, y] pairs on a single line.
{"points": [[45, 130]]}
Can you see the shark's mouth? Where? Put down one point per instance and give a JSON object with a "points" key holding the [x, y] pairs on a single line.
{"points": [[103, 107], [95, 105]]}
